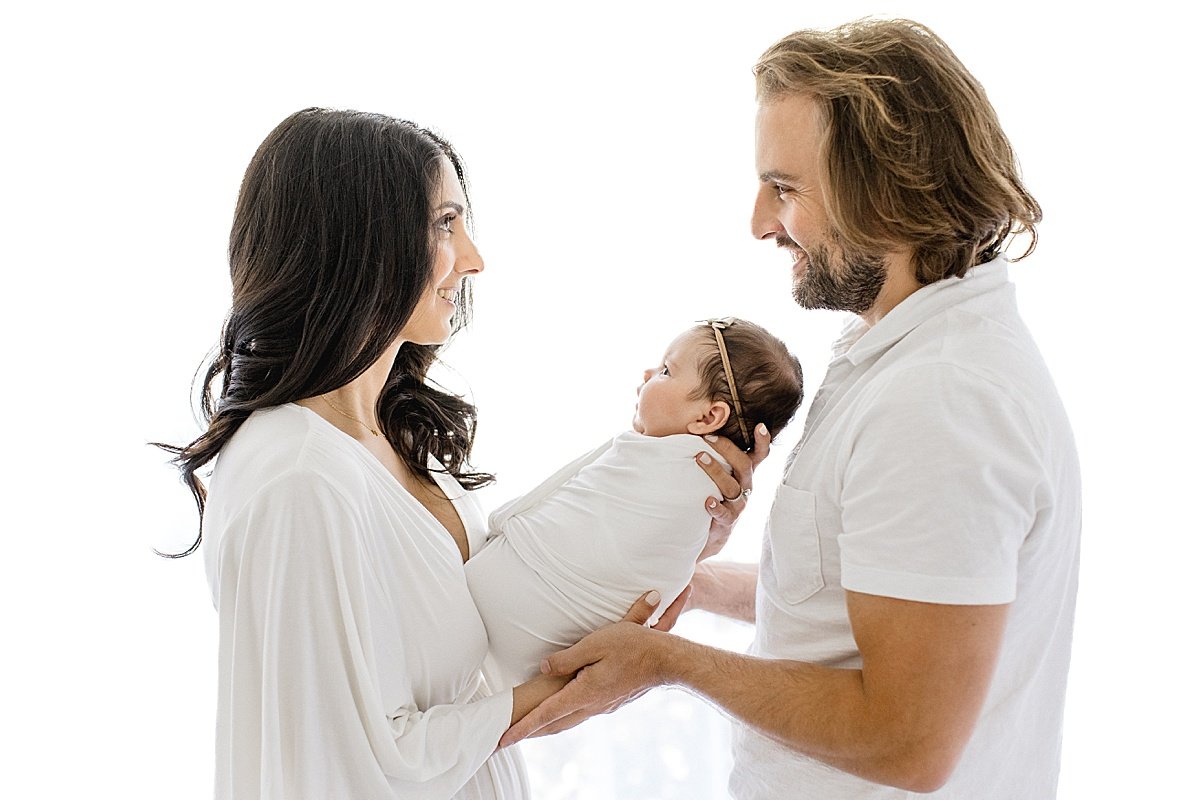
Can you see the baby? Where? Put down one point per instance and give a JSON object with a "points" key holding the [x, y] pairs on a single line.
{"points": [[574, 553]]}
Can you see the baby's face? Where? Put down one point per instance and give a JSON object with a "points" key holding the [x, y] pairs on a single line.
{"points": [[667, 401]]}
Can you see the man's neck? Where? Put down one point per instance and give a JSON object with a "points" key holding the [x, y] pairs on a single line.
{"points": [[900, 283]]}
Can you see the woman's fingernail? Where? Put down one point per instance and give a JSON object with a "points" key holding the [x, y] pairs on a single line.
{"points": [[761, 430], [545, 666], [712, 503], [711, 438], [705, 458], [653, 598]]}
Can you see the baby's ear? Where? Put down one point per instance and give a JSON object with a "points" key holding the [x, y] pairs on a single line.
{"points": [[712, 420]]}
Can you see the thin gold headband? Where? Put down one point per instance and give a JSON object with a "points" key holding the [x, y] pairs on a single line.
{"points": [[717, 326]]}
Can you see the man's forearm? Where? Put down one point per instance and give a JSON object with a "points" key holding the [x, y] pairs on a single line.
{"points": [[902, 719], [725, 588], [818, 711]]}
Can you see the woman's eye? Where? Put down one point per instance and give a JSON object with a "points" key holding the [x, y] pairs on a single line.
{"points": [[446, 223]]}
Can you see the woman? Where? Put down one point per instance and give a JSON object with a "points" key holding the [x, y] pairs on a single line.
{"points": [[338, 517]]}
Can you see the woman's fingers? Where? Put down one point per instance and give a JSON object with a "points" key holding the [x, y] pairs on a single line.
{"points": [[762, 445], [728, 485], [643, 608], [743, 464]]}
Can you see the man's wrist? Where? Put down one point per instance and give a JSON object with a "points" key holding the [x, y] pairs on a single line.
{"points": [[667, 655]]}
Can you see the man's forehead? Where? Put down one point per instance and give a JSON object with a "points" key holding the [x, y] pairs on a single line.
{"points": [[787, 135]]}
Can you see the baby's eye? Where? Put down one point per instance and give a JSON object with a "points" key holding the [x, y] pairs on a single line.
{"points": [[663, 370]]}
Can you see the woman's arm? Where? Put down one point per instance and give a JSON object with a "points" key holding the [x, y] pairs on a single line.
{"points": [[529, 695]]}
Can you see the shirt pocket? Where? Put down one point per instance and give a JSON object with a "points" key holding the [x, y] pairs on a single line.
{"points": [[793, 545]]}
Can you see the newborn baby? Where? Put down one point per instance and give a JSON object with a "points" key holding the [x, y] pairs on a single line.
{"points": [[577, 551]]}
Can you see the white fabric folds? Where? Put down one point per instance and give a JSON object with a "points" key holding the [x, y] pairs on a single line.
{"points": [[350, 649], [576, 552]]}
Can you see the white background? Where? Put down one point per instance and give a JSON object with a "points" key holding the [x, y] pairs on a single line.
{"points": [[611, 156]]}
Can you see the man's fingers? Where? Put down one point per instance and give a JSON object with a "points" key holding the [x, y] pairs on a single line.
{"points": [[552, 709], [642, 608], [668, 618], [562, 724]]}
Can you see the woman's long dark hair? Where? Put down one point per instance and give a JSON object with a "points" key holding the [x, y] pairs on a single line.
{"points": [[332, 247]]}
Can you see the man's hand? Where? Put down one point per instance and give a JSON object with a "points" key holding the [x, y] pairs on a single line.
{"points": [[614, 665], [733, 490]]}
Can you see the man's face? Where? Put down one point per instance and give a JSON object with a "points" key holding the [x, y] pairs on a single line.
{"points": [[790, 208]]}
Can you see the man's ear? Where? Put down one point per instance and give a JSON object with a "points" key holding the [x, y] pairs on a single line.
{"points": [[712, 420]]}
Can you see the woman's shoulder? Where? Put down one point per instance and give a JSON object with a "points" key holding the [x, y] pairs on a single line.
{"points": [[284, 449]]}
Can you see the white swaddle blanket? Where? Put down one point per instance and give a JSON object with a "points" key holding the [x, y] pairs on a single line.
{"points": [[576, 552]]}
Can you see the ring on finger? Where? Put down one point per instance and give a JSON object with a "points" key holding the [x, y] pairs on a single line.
{"points": [[746, 494]]}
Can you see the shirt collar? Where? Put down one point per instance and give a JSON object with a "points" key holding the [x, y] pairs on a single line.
{"points": [[860, 341]]}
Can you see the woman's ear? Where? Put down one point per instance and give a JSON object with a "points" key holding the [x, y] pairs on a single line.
{"points": [[712, 420]]}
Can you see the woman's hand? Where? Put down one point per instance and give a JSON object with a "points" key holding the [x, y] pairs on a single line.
{"points": [[591, 690], [733, 490]]}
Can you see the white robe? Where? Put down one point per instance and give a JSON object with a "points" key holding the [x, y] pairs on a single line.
{"points": [[578, 550], [350, 648]]}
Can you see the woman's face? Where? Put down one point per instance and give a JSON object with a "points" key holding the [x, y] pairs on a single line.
{"points": [[454, 258]]}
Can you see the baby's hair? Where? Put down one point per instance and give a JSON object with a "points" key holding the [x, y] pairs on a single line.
{"points": [[770, 383]]}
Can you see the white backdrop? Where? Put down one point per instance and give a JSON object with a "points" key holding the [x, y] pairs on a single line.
{"points": [[611, 157]]}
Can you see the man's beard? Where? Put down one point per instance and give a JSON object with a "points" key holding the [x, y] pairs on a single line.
{"points": [[847, 282]]}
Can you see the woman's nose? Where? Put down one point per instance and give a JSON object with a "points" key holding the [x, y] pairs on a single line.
{"points": [[469, 261]]}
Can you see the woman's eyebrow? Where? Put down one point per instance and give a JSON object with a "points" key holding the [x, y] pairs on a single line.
{"points": [[450, 204]]}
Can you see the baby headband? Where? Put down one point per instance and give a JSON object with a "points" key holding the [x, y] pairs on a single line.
{"points": [[717, 326]]}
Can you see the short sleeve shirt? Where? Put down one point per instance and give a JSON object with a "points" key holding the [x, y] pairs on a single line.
{"points": [[937, 465]]}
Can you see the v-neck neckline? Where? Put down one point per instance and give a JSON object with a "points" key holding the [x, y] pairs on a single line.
{"points": [[441, 479]]}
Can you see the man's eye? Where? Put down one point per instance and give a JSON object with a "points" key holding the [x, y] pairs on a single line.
{"points": [[780, 191]]}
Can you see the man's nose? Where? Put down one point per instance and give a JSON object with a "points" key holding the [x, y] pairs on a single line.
{"points": [[764, 222]]}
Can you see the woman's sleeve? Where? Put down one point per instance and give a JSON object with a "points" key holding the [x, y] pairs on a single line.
{"points": [[302, 711]]}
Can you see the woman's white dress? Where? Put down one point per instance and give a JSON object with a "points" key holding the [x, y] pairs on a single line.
{"points": [[351, 651]]}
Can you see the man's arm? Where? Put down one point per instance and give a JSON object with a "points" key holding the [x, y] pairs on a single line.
{"points": [[903, 719], [725, 588]]}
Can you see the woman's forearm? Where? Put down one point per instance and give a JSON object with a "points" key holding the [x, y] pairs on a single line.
{"points": [[529, 695], [725, 588]]}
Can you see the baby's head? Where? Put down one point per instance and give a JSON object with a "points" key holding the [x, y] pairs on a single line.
{"points": [[691, 391]]}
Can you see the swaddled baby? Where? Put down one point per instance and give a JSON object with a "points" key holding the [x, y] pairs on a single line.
{"points": [[577, 551]]}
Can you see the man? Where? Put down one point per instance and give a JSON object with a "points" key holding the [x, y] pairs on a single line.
{"points": [[917, 586]]}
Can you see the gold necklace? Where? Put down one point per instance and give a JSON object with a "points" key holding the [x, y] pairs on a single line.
{"points": [[347, 416]]}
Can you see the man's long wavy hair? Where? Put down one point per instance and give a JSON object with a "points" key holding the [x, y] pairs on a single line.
{"points": [[912, 152], [331, 250]]}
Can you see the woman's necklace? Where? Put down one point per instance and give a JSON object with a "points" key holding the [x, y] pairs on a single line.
{"points": [[347, 416]]}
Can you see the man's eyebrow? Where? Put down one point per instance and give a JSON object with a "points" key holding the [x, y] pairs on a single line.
{"points": [[450, 204], [774, 176]]}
